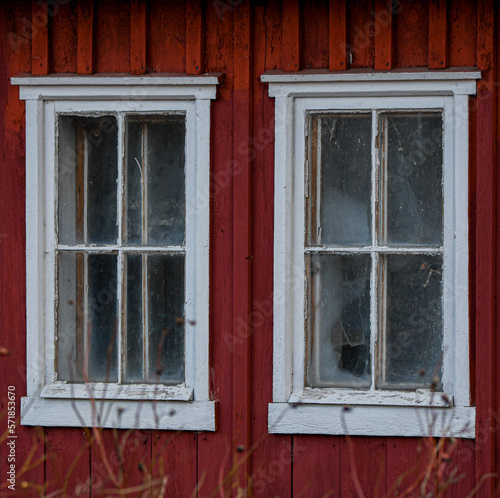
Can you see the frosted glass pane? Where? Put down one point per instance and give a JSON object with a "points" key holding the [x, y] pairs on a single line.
{"points": [[166, 318], [156, 180], [414, 320], [414, 179], [134, 324], [339, 320], [70, 309], [103, 318], [340, 180], [87, 176]]}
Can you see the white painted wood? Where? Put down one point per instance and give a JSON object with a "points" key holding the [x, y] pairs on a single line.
{"points": [[120, 277], [102, 390], [156, 79], [461, 277], [297, 206], [352, 92], [46, 98], [199, 193], [286, 418], [122, 414], [371, 84], [374, 328], [95, 248], [449, 241], [48, 230], [274, 76], [283, 275], [35, 343], [344, 396], [116, 87]]}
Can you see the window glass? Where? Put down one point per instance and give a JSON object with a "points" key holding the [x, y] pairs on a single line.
{"points": [[374, 315], [121, 277]]}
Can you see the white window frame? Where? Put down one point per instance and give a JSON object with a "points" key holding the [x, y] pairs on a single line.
{"points": [[49, 402], [299, 409]]}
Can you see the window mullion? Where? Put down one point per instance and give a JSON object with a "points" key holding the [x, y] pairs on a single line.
{"points": [[120, 278], [374, 255]]}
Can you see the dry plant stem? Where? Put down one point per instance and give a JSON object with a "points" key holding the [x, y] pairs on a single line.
{"points": [[475, 489]]}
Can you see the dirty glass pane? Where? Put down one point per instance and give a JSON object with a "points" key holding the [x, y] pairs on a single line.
{"points": [[339, 196], [414, 171], [165, 276], [87, 172], [413, 332], [70, 310], [134, 323], [102, 317], [135, 190], [156, 180], [339, 320]]}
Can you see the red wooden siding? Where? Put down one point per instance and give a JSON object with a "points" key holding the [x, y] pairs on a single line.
{"points": [[243, 40]]}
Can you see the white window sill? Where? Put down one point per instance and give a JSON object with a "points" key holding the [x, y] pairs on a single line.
{"points": [[336, 396], [163, 415], [287, 418], [101, 390]]}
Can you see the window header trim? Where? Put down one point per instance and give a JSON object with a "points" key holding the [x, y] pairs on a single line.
{"points": [[373, 83], [75, 87]]}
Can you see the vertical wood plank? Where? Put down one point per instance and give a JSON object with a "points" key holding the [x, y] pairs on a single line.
{"points": [[15, 57], [462, 39], [215, 449], [174, 459], [316, 465], [137, 36], [40, 43], [438, 42], [166, 37], [63, 39], [120, 460], [338, 35], [402, 466], [411, 34], [314, 35], [112, 46], [290, 26], [272, 454], [383, 35], [242, 246], [70, 446], [363, 466], [85, 36], [485, 249], [194, 41]]}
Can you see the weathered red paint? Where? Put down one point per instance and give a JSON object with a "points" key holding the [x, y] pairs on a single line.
{"points": [[137, 37], [194, 37], [243, 40], [383, 35], [85, 36], [338, 35], [438, 50]]}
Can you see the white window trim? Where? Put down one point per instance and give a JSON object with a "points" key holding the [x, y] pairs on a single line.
{"points": [[51, 403], [296, 409]]}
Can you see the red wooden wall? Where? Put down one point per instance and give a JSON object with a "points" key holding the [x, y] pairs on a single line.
{"points": [[243, 40]]}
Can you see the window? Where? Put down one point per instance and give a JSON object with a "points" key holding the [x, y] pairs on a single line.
{"points": [[117, 251], [371, 259]]}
